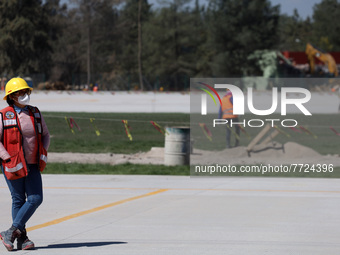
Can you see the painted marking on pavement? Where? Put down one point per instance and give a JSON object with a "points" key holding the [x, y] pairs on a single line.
{"points": [[96, 209]]}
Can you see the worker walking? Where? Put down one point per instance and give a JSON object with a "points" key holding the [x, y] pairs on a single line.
{"points": [[23, 151], [226, 112]]}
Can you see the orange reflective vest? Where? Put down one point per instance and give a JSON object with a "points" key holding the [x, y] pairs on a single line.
{"points": [[227, 108], [16, 166]]}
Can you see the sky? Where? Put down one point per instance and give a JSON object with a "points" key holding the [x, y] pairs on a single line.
{"points": [[304, 7]]}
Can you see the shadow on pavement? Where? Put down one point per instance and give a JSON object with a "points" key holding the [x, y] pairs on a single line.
{"points": [[77, 245]]}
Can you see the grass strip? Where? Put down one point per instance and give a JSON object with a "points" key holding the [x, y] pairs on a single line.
{"points": [[111, 137], [133, 169], [139, 169]]}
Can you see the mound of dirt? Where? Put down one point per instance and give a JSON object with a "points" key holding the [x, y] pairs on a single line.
{"points": [[295, 150], [274, 153], [154, 156]]}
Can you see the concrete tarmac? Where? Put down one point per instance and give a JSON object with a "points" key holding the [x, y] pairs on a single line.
{"points": [[145, 215]]}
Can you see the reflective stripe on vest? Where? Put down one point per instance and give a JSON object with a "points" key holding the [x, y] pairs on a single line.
{"points": [[37, 115], [39, 127], [229, 110], [10, 122], [14, 169], [43, 158]]}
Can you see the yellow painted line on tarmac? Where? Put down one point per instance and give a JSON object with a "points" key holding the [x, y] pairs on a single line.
{"points": [[96, 209]]}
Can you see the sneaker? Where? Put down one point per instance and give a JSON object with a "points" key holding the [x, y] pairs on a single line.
{"points": [[8, 237], [23, 242]]}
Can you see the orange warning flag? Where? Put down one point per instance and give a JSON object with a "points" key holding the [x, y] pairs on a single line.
{"points": [[206, 131], [95, 127], [72, 122], [308, 131], [244, 131], [127, 129], [69, 124], [158, 127], [336, 132]]}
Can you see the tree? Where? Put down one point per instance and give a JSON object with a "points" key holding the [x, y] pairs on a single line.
{"points": [[294, 33], [326, 25], [88, 14], [140, 72], [105, 41], [131, 22], [171, 45], [64, 42], [86, 9], [236, 29], [24, 41]]}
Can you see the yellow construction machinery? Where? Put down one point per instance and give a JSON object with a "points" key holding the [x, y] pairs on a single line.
{"points": [[313, 52]]}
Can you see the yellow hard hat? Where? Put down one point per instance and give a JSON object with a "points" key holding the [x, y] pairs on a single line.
{"points": [[14, 85]]}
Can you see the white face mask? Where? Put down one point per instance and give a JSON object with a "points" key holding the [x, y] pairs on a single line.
{"points": [[24, 100]]}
